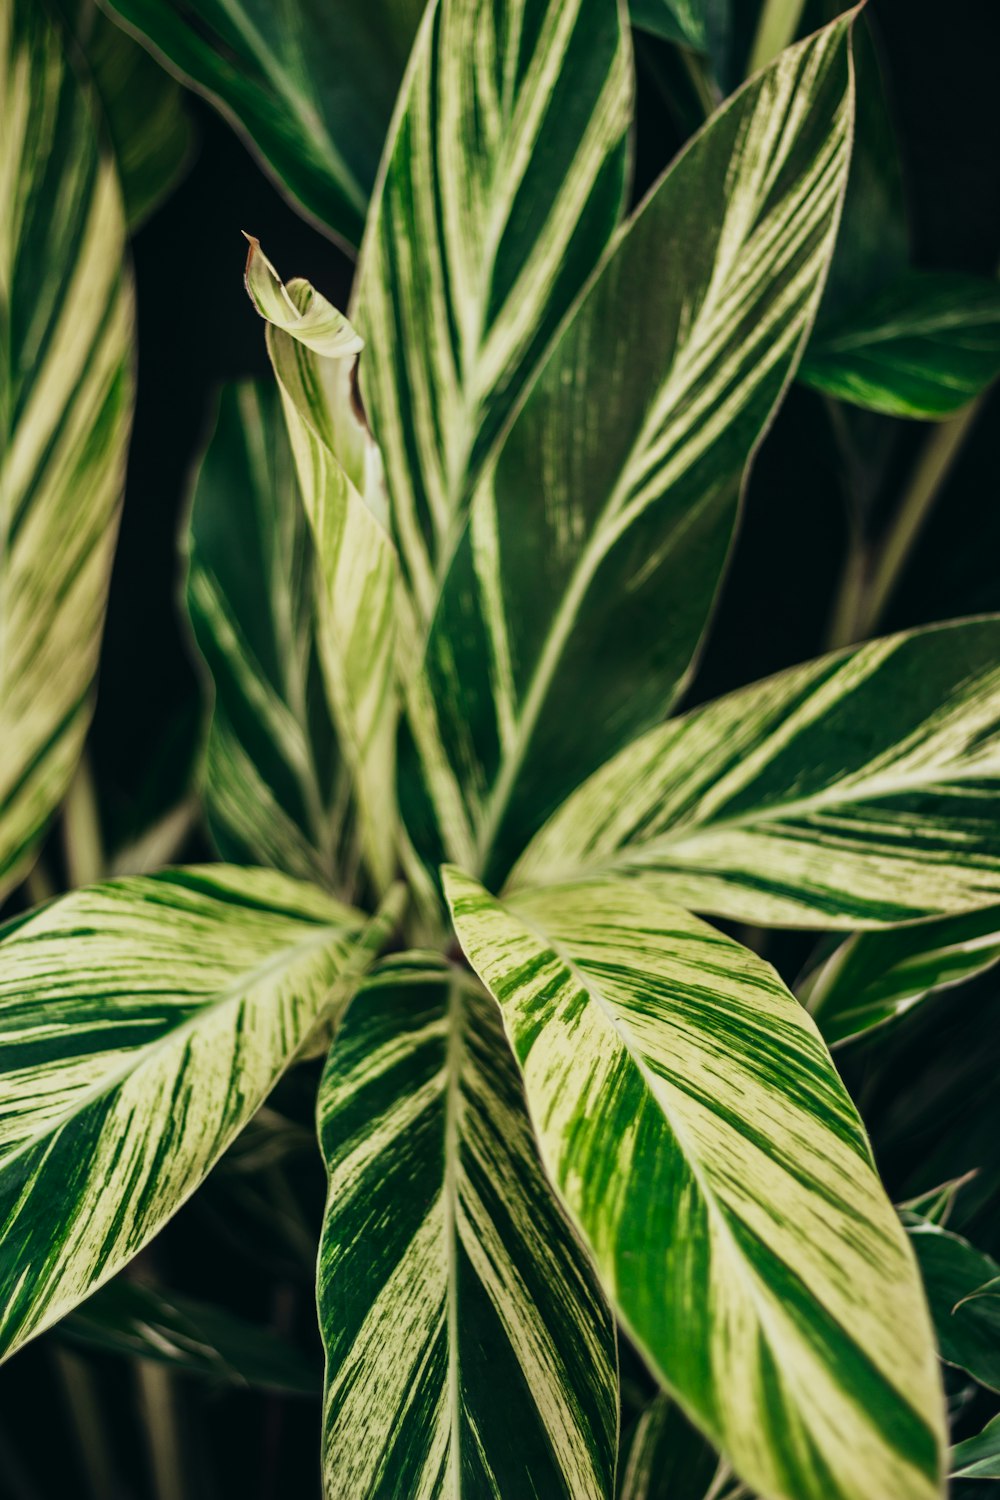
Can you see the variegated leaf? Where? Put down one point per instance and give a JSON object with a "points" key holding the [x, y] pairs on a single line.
{"points": [[924, 347], [978, 1457], [314, 352], [874, 977], [311, 86], [966, 1321], [143, 106], [65, 408], [608, 514], [142, 1023], [276, 791], [860, 790], [469, 1349], [502, 182], [691, 1118]]}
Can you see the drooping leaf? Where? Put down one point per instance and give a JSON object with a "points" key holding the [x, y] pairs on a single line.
{"points": [[967, 1324], [691, 1118], [65, 408], [469, 1348], [143, 107], [978, 1457], [142, 1023], [924, 347], [504, 179], [607, 517], [192, 1337], [314, 352], [276, 793], [859, 790], [311, 87], [666, 1458], [874, 977]]}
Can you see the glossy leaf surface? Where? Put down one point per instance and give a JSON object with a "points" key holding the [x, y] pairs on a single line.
{"points": [[693, 1122], [874, 977], [608, 514], [143, 1022], [65, 411], [966, 1318], [311, 87], [470, 1351], [859, 790]]}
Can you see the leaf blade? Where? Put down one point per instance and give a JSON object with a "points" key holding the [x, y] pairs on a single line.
{"points": [[468, 1345], [665, 1066]]}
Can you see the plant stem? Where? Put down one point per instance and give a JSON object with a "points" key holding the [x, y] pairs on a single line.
{"points": [[38, 884], [81, 830], [88, 1423], [779, 21], [162, 1438], [933, 467]]}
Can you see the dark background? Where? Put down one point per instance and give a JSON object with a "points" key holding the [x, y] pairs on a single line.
{"points": [[928, 1095]]}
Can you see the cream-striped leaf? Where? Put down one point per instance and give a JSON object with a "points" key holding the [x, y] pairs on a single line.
{"points": [[277, 792], [691, 1118], [142, 1023], [860, 790], [311, 85], [502, 181], [874, 977], [314, 352], [65, 409], [607, 517], [469, 1349]]}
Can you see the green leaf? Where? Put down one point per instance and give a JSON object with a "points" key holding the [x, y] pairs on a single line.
{"points": [[504, 178], [311, 88], [875, 977], [143, 106], [637, 435], [65, 407], [688, 22], [276, 791], [978, 1457], [314, 353], [966, 1321], [666, 1458], [925, 347], [859, 790], [143, 1022], [192, 1337], [469, 1349], [691, 1118]]}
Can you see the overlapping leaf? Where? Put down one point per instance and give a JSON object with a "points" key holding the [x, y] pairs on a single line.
{"points": [[142, 1023], [65, 407], [608, 514], [924, 347], [314, 350], [860, 790], [142, 1321], [966, 1315], [874, 977], [692, 1120], [143, 107], [470, 1351], [978, 1457], [276, 791], [312, 87], [503, 180]]}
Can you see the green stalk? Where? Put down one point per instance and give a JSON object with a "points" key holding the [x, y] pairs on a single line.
{"points": [[88, 1423], [162, 1437], [779, 21], [81, 830]]}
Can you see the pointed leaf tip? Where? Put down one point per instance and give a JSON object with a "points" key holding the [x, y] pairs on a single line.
{"points": [[300, 311]]}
